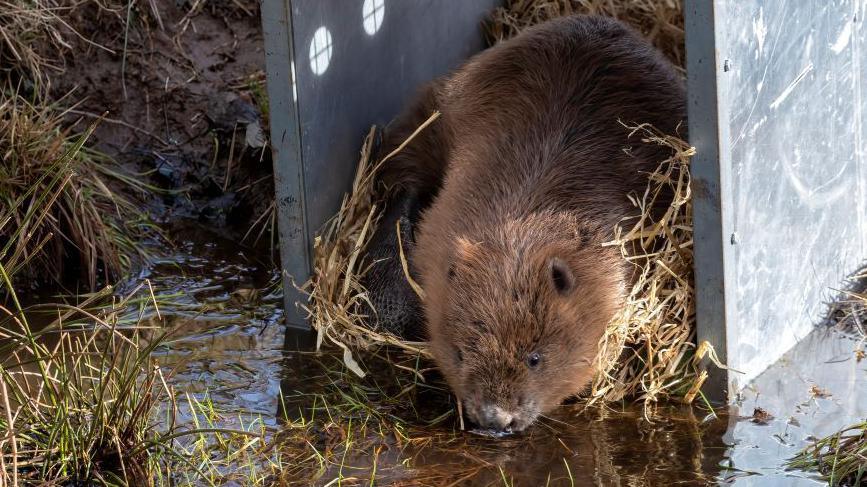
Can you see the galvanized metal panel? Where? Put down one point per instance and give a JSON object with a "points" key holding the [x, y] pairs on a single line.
{"points": [[356, 63], [286, 152], [785, 225]]}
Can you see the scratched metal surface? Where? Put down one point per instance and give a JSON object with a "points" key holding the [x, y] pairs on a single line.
{"points": [[790, 79], [375, 54]]}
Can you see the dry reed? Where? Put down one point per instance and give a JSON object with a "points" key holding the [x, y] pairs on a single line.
{"points": [[661, 21], [25, 28], [849, 311], [337, 300], [656, 328], [649, 351]]}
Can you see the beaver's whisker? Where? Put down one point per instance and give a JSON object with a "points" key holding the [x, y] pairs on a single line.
{"points": [[542, 416], [545, 425]]}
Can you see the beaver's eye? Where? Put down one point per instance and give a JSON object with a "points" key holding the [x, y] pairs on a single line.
{"points": [[459, 354], [533, 360], [451, 272]]}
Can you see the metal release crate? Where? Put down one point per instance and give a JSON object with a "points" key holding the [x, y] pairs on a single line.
{"points": [[775, 112], [775, 109]]}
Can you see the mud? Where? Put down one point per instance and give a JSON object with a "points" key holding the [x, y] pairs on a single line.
{"points": [[181, 86]]}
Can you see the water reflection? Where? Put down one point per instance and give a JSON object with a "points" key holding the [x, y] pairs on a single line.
{"points": [[814, 390], [572, 445], [230, 348], [227, 346]]}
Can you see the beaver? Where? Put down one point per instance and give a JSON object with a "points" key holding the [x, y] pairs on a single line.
{"points": [[505, 201]]}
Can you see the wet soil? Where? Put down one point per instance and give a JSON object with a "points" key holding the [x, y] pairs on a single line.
{"points": [[400, 428], [181, 87]]}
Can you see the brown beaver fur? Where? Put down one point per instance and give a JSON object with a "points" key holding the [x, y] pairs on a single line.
{"points": [[516, 186]]}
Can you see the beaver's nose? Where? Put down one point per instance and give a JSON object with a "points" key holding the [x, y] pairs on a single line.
{"points": [[494, 417]]}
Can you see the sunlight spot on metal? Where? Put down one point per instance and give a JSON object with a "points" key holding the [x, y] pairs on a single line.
{"points": [[372, 12], [320, 50]]}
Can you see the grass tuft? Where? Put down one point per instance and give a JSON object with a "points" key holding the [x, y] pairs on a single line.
{"points": [[661, 21], [77, 393], [841, 457], [83, 401], [82, 221]]}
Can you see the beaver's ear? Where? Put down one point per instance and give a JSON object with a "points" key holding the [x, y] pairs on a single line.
{"points": [[562, 277], [466, 250]]}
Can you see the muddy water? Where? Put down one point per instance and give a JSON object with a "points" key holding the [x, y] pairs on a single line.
{"points": [[397, 428], [228, 340], [571, 446]]}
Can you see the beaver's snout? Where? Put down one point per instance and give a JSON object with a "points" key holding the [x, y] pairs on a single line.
{"points": [[495, 418]]}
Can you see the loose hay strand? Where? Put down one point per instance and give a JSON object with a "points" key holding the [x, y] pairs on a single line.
{"points": [[336, 298], [645, 349], [404, 263]]}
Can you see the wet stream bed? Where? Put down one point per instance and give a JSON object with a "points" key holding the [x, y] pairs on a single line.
{"points": [[324, 425]]}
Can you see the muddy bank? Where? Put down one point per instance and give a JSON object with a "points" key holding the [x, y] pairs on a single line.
{"points": [[182, 87]]}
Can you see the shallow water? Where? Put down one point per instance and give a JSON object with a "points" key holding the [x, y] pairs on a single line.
{"points": [[228, 342], [329, 425], [570, 446]]}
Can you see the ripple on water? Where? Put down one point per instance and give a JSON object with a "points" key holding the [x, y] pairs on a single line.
{"points": [[229, 349]]}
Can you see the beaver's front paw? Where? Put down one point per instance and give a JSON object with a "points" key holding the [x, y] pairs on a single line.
{"points": [[396, 307]]}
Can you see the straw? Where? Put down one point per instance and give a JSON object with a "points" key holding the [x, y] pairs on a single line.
{"points": [[660, 21], [648, 352]]}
